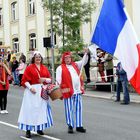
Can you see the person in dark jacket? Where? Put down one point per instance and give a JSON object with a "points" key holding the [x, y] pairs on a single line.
{"points": [[122, 81], [8, 56], [14, 71], [87, 67]]}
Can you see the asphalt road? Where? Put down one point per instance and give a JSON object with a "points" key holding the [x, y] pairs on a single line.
{"points": [[103, 119]]}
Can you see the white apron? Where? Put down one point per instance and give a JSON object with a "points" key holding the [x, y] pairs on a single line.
{"points": [[34, 109]]}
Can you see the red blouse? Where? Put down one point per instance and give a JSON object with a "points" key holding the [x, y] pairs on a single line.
{"points": [[3, 75], [31, 75]]}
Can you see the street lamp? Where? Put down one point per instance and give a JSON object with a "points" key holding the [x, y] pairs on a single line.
{"points": [[52, 42]]}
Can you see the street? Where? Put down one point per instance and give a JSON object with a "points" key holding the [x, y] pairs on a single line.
{"points": [[103, 119]]}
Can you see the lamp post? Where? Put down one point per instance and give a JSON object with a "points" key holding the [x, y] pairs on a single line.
{"points": [[52, 42], [63, 24]]}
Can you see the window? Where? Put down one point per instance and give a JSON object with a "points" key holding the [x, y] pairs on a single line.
{"points": [[14, 11], [31, 7], [15, 45], [32, 42], [1, 17]]}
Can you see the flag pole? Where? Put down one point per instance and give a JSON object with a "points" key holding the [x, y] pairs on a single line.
{"points": [[96, 20], [52, 41]]}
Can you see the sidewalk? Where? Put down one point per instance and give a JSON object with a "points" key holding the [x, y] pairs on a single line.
{"points": [[134, 97]]}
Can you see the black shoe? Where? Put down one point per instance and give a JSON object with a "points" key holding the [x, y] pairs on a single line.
{"points": [[124, 103], [28, 134], [70, 129], [40, 132], [88, 80], [117, 100], [81, 129]]}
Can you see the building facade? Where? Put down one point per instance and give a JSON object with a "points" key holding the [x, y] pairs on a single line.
{"points": [[24, 24]]}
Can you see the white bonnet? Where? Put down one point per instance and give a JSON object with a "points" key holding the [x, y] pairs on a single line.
{"points": [[36, 53]]}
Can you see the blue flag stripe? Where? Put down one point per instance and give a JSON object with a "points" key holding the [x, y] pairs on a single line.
{"points": [[110, 23]]}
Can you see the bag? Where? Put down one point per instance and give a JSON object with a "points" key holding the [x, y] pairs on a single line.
{"points": [[54, 91], [10, 79], [44, 93]]}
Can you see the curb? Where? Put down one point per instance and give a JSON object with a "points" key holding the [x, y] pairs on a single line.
{"points": [[108, 98]]}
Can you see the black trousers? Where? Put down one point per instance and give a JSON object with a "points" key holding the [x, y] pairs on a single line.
{"points": [[87, 72], [3, 99], [20, 78], [110, 72]]}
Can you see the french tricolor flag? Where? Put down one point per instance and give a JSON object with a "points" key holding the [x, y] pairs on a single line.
{"points": [[115, 34]]}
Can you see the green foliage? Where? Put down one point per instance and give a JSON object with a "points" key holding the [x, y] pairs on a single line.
{"points": [[68, 16]]}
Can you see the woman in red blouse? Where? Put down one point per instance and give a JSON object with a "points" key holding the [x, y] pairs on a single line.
{"points": [[35, 113], [4, 86]]}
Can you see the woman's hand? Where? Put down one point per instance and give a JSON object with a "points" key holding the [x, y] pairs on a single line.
{"points": [[4, 65], [1, 63], [47, 80], [33, 90], [3, 83], [42, 80]]}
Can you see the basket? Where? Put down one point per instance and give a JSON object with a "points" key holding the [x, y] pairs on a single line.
{"points": [[54, 91], [55, 94]]}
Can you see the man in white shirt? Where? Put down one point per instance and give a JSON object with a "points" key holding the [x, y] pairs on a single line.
{"points": [[71, 83]]}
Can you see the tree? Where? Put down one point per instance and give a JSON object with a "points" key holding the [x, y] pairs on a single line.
{"points": [[68, 16]]}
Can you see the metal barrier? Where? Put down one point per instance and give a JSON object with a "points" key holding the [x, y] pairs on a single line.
{"points": [[101, 83]]}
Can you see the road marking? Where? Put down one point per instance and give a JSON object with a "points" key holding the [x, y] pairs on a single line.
{"points": [[8, 124], [49, 137], [14, 126], [25, 138]]}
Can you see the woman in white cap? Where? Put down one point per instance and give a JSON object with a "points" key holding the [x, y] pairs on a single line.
{"points": [[35, 113]]}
